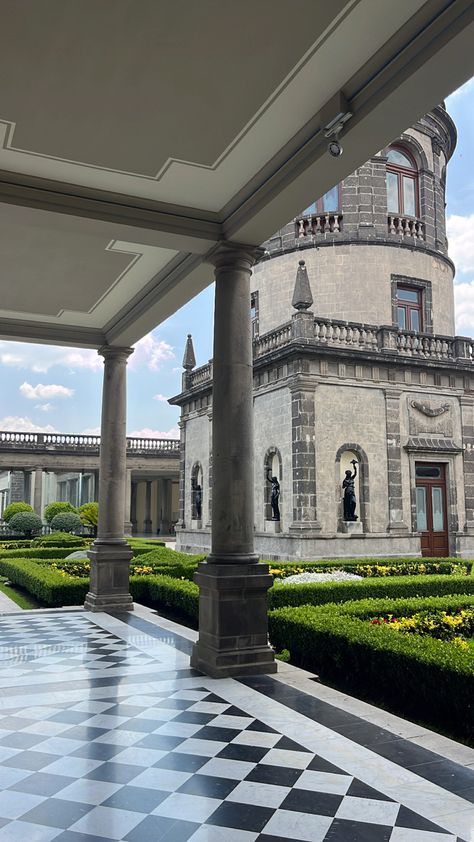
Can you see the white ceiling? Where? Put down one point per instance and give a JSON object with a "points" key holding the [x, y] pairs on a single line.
{"points": [[136, 135]]}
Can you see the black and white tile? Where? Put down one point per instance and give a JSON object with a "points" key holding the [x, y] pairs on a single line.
{"points": [[165, 760]]}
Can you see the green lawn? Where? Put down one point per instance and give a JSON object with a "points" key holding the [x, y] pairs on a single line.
{"points": [[22, 598]]}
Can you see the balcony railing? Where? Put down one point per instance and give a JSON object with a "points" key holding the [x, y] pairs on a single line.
{"points": [[319, 224], [406, 226], [73, 443]]}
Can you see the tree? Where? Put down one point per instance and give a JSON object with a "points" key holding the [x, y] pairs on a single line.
{"points": [[66, 522], [26, 523], [14, 508], [53, 509], [89, 515]]}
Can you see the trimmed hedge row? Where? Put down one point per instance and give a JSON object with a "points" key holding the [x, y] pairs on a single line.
{"points": [[419, 677], [321, 593], [49, 586], [51, 553]]}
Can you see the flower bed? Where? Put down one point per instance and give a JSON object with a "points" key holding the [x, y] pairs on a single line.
{"points": [[418, 676]]}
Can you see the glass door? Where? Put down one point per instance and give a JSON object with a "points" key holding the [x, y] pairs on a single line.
{"points": [[431, 512]]}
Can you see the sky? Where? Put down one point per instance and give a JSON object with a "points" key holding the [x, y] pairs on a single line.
{"points": [[46, 388]]}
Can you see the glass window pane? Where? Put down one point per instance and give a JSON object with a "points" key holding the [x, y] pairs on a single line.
{"points": [[402, 318], [392, 193], [437, 504], [330, 200], [421, 521], [395, 156], [404, 294], [414, 319], [409, 196], [309, 210], [428, 471]]}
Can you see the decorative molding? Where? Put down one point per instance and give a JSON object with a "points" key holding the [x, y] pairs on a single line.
{"points": [[432, 412]]}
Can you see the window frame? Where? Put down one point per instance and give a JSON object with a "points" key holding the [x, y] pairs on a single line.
{"points": [[407, 306], [317, 207], [401, 173]]}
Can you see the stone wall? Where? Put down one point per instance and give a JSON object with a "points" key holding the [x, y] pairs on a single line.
{"points": [[272, 428], [197, 450], [353, 282]]}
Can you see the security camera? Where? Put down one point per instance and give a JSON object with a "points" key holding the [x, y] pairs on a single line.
{"points": [[335, 149]]}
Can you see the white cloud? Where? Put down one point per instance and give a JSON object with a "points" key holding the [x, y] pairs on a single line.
{"points": [[45, 407], [23, 424], [161, 398], [151, 352], [43, 392], [82, 358], [460, 231], [148, 433], [464, 300], [91, 431]]}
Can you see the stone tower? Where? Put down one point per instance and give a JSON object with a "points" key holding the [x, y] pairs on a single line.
{"points": [[356, 361]]}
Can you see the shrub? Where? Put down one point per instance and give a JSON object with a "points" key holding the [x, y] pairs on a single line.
{"points": [[419, 677], [26, 523], [378, 569], [321, 593], [66, 522], [61, 539], [43, 553], [53, 509], [89, 515], [14, 508], [52, 587], [181, 597]]}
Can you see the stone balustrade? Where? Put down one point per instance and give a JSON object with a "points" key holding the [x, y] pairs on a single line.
{"points": [[66, 443], [272, 340], [319, 224], [406, 226], [199, 375], [346, 333]]}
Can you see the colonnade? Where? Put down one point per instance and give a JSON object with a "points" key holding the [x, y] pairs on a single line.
{"points": [[233, 637]]}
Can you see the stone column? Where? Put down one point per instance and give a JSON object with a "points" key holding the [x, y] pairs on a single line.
{"points": [[133, 507], [127, 527], [148, 521], [233, 636], [164, 489], [38, 492], [182, 476], [208, 503], [396, 524], [303, 427], [17, 487], [110, 553]]}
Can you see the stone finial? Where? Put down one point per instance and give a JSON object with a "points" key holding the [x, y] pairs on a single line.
{"points": [[302, 298], [189, 360]]}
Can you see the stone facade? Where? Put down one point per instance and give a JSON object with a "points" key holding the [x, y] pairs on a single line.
{"points": [[345, 381]]}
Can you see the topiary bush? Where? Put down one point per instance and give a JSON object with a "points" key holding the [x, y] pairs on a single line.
{"points": [[26, 523], [66, 522], [53, 509], [14, 508], [61, 539]]}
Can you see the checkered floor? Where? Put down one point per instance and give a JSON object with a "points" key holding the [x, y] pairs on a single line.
{"points": [[163, 766]]}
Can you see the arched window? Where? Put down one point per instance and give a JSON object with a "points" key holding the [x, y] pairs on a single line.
{"points": [[272, 467], [329, 203], [196, 491], [402, 183]]}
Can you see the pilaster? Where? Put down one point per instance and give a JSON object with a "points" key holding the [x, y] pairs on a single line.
{"points": [[303, 425], [396, 523], [467, 424]]}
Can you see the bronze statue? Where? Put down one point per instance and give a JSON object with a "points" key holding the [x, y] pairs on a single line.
{"points": [[198, 501], [349, 501], [275, 495]]}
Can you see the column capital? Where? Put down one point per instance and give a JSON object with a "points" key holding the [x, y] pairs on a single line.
{"points": [[231, 256], [115, 352]]}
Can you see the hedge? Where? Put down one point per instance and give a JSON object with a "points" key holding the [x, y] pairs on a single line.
{"points": [[376, 567], [419, 677], [320, 593], [49, 586], [51, 553]]}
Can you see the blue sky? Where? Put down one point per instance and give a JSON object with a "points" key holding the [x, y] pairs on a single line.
{"points": [[48, 388]]}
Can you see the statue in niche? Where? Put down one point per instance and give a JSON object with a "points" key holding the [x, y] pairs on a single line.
{"points": [[349, 501], [275, 495], [198, 501]]}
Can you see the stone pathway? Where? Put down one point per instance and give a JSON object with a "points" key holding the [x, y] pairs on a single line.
{"points": [[7, 606]]}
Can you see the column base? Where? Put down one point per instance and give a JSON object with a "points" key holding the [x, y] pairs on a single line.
{"points": [[233, 625], [109, 578]]}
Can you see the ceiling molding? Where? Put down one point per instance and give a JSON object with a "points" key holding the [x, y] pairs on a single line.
{"points": [[24, 330], [57, 197]]}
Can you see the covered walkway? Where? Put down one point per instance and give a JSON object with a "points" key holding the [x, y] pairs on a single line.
{"points": [[106, 733]]}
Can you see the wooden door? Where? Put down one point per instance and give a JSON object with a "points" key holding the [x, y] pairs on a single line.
{"points": [[431, 509]]}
